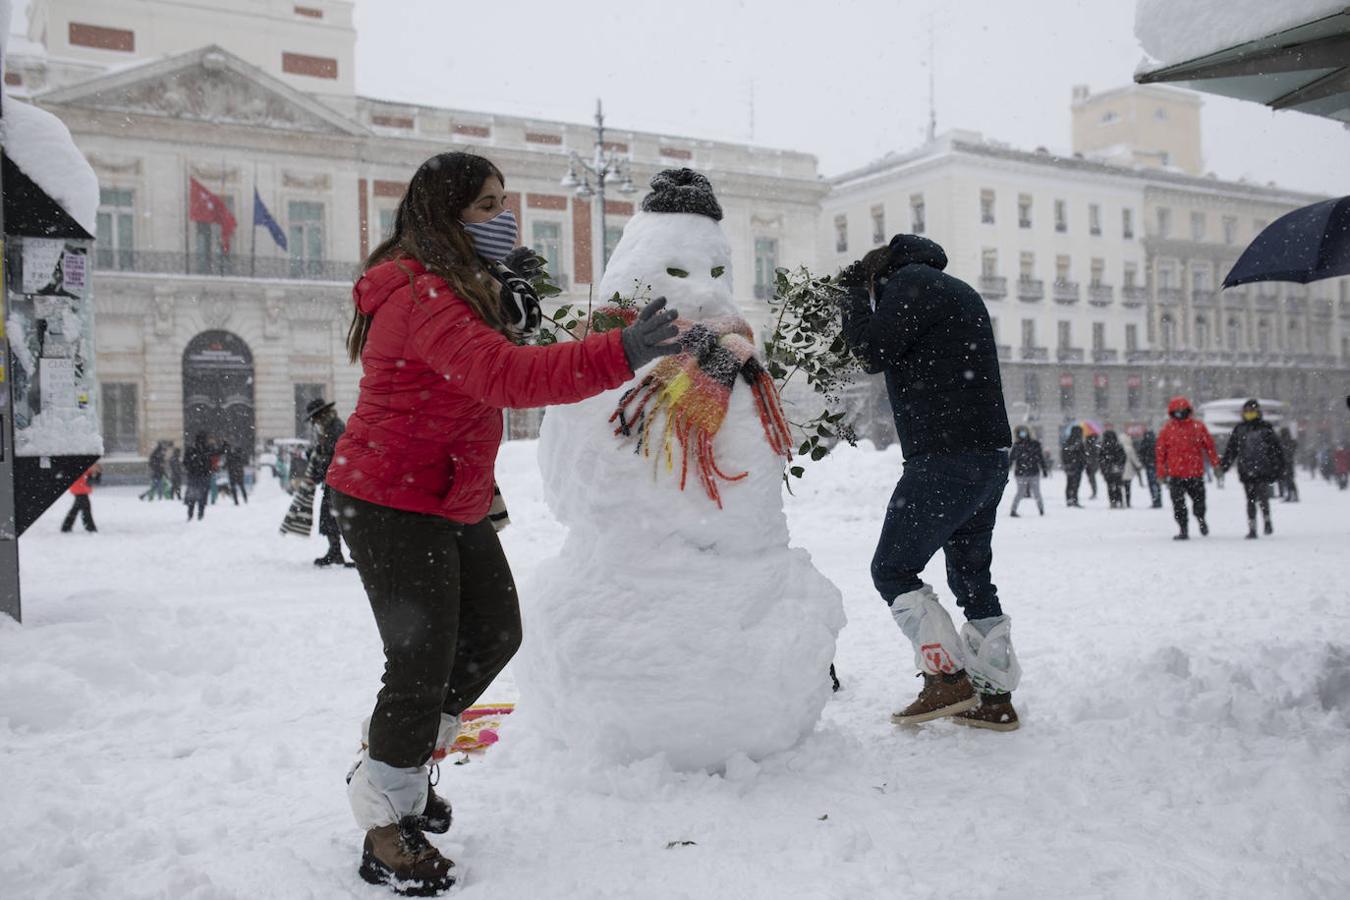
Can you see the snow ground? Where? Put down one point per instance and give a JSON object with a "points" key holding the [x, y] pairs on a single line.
{"points": [[178, 711]]}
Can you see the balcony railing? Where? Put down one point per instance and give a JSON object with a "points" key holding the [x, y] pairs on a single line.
{"points": [[994, 287], [1101, 294], [1036, 353], [1134, 295], [1030, 289], [1005, 351], [1103, 355], [223, 265], [1170, 296], [1142, 356], [1069, 354], [1067, 292], [1202, 297]]}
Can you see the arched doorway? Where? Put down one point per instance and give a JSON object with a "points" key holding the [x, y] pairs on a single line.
{"points": [[218, 389]]}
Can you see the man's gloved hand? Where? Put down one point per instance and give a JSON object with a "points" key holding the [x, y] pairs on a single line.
{"points": [[643, 340], [524, 262]]}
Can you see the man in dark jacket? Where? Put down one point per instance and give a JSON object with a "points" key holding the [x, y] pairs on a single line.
{"points": [[1072, 456], [327, 429], [930, 334], [1092, 460], [199, 467], [1255, 447], [1028, 462], [1148, 448], [156, 462], [236, 459]]}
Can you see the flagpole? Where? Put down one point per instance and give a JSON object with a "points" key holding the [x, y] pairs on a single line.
{"points": [[187, 221], [253, 232], [227, 209]]}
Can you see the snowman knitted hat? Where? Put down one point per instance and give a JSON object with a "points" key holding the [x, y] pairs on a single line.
{"points": [[682, 191]]}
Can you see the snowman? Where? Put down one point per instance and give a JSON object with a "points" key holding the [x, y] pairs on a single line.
{"points": [[677, 620]]}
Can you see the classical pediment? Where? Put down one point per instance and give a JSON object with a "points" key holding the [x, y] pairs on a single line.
{"points": [[206, 85]]}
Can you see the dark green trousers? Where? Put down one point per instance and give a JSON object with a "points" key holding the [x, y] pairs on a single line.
{"points": [[446, 608]]}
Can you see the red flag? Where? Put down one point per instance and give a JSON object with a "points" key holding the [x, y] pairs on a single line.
{"points": [[204, 206]]}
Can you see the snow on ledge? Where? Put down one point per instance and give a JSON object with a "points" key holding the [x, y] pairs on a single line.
{"points": [[1172, 32], [40, 144]]}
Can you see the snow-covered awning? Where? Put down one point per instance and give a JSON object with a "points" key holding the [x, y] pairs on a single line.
{"points": [[1290, 54]]}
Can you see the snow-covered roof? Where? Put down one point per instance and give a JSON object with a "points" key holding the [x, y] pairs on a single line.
{"points": [[1171, 32], [41, 146]]}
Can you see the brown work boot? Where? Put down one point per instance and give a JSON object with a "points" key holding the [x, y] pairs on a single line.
{"points": [[401, 857], [942, 695], [995, 712]]}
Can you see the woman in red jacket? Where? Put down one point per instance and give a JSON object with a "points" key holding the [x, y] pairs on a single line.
{"points": [[1182, 447], [437, 326]]}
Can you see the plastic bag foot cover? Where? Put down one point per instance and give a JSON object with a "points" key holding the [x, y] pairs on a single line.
{"points": [[381, 794], [990, 658], [937, 649]]}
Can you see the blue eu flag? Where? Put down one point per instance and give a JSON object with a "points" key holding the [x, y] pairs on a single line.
{"points": [[262, 217]]}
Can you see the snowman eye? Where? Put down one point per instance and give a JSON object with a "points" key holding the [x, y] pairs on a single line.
{"points": [[718, 271], [678, 273]]}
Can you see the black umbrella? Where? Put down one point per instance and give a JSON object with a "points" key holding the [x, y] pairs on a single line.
{"points": [[1308, 244]]}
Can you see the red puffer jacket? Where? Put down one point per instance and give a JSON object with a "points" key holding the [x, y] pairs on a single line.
{"points": [[1183, 445], [428, 422]]}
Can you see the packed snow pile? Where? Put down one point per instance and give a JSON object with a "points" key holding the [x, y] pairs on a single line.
{"points": [[1172, 32], [41, 146], [667, 625]]}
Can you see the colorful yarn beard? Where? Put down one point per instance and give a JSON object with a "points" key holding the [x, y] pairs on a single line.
{"points": [[684, 400]]}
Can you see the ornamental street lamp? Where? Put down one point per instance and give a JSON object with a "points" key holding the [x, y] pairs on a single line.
{"points": [[604, 164]]}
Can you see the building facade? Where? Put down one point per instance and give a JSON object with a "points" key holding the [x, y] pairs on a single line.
{"points": [[1102, 279], [234, 337]]}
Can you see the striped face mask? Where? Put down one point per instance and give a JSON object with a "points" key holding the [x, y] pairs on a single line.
{"points": [[494, 238]]}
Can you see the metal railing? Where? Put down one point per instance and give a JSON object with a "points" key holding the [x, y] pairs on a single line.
{"points": [[1036, 353], [1030, 289], [1005, 351], [156, 262], [1134, 295], [1067, 292], [1069, 354], [1101, 294], [1203, 297], [1103, 355], [995, 286], [1170, 296]]}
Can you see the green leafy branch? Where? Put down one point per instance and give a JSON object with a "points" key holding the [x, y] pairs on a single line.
{"points": [[807, 343], [568, 320]]}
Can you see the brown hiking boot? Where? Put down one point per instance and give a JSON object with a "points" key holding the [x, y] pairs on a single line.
{"points": [[995, 712], [942, 695], [401, 857]]}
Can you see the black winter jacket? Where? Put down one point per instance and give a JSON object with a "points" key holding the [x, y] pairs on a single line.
{"points": [[1027, 458], [930, 334], [1072, 455], [1256, 448]]}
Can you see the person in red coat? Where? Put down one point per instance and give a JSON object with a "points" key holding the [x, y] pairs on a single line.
{"points": [[1183, 446], [437, 329], [81, 490]]}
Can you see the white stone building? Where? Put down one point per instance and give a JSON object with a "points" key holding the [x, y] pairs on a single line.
{"points": [[194, 338], [1101, 276]]}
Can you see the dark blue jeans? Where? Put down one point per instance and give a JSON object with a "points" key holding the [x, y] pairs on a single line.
{"points": [[944, 502]]}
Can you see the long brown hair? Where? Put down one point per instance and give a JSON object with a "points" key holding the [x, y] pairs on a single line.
{"points": [[427, 229]]}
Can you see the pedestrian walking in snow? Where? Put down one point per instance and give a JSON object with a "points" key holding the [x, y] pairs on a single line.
{"points": [[1183, 449], [81, 490], [236, 460], [1341, 466], [328, 429], [1133, 467], [1092, 460], [1029, 467], [197, 462], [1256, 449], [1148, 456], [930, 334], [176, 474], [1113, 463], [156, 464], [438, 319], [1289, 481], [1072, 457]]}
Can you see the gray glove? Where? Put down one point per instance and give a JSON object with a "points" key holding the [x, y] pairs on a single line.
{"points": [[642, 341]]}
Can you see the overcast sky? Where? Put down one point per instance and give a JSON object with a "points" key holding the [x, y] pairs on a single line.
{"points": [[846, 80]]}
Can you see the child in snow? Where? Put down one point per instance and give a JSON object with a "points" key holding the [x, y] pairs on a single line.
{"points": [[81, 490], [436, 327], [1183, 449], [1256, 449], [930, 334]]}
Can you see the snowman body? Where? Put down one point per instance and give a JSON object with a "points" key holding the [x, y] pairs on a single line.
{"points": [[668, 626]]}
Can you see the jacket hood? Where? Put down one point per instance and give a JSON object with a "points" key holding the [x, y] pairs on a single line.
{"points": [[908, 249], [1177, 404], [379, 283]]}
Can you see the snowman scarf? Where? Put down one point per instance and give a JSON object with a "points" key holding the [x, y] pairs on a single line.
{"points": [[684, 399]]}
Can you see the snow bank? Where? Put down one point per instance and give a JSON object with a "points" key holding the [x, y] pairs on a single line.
{"points": [[40, 144], [1172, 32]]}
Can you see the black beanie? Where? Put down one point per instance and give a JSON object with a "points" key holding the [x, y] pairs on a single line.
{"points": [[1252, 405], [682, 191]]}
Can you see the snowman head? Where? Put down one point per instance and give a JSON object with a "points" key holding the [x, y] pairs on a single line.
{"points": [[677, 246]]}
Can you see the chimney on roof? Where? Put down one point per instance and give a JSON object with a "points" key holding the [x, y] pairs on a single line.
{"points": [[1080, 93]]}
